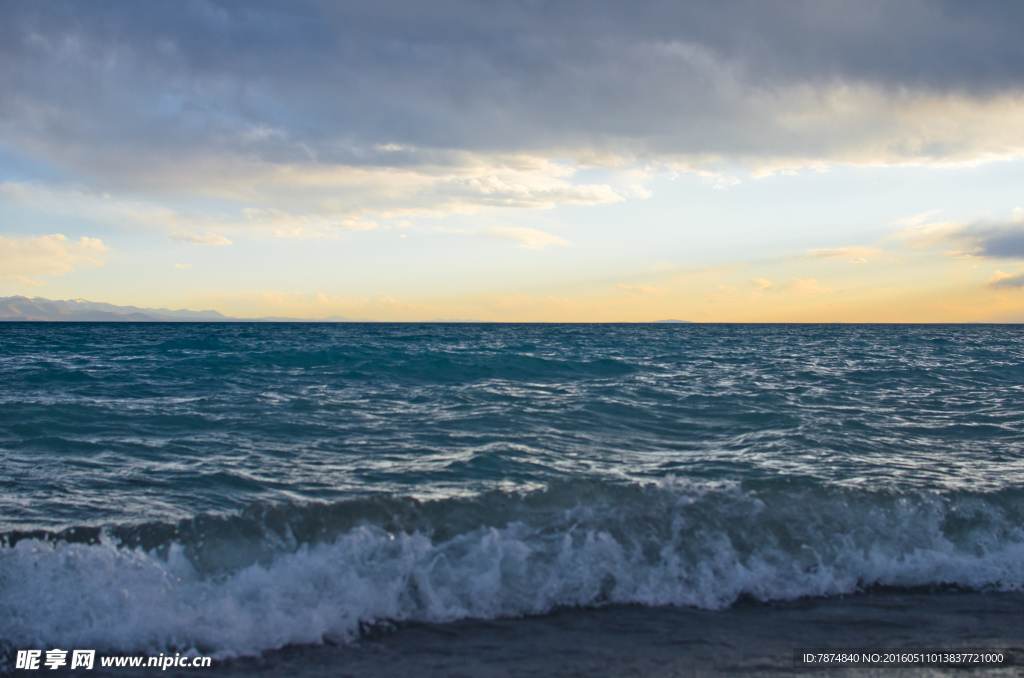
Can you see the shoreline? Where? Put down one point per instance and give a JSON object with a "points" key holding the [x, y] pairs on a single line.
{"points": [[750, 639]]}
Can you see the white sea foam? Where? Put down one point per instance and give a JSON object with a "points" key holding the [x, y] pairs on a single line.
{"points": [[676, 546]]}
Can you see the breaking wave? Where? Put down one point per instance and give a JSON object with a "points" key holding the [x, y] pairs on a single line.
{"points": [[275, 575]]}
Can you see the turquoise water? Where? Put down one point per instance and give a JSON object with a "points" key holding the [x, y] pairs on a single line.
{"points": [[270, 484]]}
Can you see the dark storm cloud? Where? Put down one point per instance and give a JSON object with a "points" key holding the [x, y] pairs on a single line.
{"points": [[119, 86], [990, 239], [1012, 281], [1001, 241]]}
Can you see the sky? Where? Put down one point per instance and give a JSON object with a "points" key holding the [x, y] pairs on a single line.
{"points": [[560, 161]]}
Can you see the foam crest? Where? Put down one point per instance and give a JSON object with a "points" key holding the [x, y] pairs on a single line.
{"points": [[668, 545]]}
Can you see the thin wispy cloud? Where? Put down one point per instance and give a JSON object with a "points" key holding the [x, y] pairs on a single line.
{"points": [[23, 260], [856, 255], [806, 286], [200, 239], [916, 219], [529, 238]]}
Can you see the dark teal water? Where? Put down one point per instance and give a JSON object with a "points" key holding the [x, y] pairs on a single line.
{"points": [[240, 487]]}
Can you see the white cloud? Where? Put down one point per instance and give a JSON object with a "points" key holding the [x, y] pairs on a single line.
{"points": [[306, 199], [506, 192], [183, 266], [321, 201], [868, 125], [46, 255], [761, 284]]}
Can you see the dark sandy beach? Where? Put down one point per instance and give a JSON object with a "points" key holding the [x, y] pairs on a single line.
{"points": [[618, 641]]}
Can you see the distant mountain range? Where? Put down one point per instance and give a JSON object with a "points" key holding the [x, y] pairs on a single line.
{"points": [[80, 310], [37, 308]]}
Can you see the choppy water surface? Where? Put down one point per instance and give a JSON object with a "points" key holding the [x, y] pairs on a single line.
{"points": [[314, 477]]}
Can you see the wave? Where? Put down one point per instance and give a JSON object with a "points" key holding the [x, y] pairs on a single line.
{"points": [[276, 575]]}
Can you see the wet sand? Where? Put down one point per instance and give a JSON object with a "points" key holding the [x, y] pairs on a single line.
{"points": [[619, 641]]}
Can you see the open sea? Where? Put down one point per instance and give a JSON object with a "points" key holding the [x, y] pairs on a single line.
{"points": [[510, 499]]}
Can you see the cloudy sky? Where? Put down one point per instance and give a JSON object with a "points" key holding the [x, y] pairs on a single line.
{"points": [[530, 160]]}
